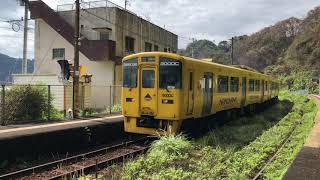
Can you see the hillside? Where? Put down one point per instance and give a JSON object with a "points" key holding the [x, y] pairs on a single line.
{"points": [[10, 65], [286, 49]]}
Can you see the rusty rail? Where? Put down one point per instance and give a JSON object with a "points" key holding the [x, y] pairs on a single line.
{"points": [[134, 148]]}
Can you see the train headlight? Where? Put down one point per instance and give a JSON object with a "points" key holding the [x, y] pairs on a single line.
{"points": [[167, 101], [130, 99]]}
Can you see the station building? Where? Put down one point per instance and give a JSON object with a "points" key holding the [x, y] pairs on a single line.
{"points": [[108, 33]]}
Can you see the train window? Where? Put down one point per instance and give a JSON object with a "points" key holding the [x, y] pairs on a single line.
{"points": [[251, 85], [234, 84], [223, 82], [148, 78], [190, 81], [257, 85], [130, 73], [170, 73]]}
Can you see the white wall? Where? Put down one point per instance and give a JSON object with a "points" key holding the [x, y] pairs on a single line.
{"points": [[46, 39]]}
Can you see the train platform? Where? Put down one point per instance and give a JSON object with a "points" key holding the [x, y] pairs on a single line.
{"points": [[34, 139], [18, 130], [307, 163]]}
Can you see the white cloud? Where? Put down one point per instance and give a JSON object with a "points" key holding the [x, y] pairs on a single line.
{"points": [[202, 19]]}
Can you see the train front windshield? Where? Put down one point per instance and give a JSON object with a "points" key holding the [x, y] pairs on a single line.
{"points": [[130, 71], [170, 73]]}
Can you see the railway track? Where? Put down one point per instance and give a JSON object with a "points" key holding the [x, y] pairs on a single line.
{"points": [[85, 163], [274, 155]]}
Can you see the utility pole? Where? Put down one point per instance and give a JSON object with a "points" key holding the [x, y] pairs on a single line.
{"points": [[232, 51], [126, 2], [75, 104], [192, 53], [25, 38]]}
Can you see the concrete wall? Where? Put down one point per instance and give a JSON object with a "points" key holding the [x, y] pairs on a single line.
{"points": [[47, 39], [103, 17], [128, 24], [122, 23]]}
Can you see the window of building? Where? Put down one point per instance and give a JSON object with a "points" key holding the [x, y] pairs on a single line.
{"points": [[147, 47], [257, 85], [156, 48], [58, 53], [223, 83], [129, 44], [251, 85], [234, 84], [104, 35]]}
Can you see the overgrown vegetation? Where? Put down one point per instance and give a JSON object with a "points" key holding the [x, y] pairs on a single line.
{"points": [[23, 103], [235, 151]]}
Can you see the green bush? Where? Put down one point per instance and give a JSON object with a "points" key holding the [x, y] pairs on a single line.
{"points": [[25, 103], [169, 151]]}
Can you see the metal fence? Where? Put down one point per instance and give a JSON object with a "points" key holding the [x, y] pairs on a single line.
{"points": [[29, 103], [89, 4]]}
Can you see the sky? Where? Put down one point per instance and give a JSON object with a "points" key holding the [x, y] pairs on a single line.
{"points": [[215, 20]]}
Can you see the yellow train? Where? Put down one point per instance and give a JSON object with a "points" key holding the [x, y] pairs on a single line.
{"points": [[161, 90]]}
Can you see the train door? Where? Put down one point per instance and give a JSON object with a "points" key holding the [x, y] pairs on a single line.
{"points": [[148, 91], [262, 93], [190, 94], [207, 93], [244, 91]]}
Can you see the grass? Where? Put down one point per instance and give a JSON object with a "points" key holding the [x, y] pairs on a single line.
{"points": [[236, 150], [98, 112]]}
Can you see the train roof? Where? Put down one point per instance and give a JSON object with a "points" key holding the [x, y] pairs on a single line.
{"points": [[180, 57], [234, 67]]}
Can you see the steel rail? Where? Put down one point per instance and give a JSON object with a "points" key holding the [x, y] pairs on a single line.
{"points": [[90, 167], [284, 142], [74, 159]]}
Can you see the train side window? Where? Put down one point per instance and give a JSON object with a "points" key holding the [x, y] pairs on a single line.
{"points": [[234, 84], [257, 85], [223, 82], [251, 85], [190, 81]]}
